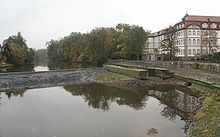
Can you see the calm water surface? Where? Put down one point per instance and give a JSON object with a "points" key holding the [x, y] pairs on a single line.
{"points": [[94, 111], [45, 67]]}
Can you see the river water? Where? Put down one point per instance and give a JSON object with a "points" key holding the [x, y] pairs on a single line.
{"points": [[94, 110]]}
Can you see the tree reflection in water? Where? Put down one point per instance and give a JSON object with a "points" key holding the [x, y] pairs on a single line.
{"points": [[101, 96], [67, 65], [22, 68], [15, 93], [175, 99], [0, 98]]}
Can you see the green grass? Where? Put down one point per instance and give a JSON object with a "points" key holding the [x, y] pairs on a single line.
{"points": [[154, 78], [111, 77], [208, 117], [135, 73]]}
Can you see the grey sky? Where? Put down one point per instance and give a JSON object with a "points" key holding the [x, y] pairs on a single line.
{"points": [[42, 20]]}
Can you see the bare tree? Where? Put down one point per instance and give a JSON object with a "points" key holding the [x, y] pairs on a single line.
{"points": [[168, 44], [209, 41]]}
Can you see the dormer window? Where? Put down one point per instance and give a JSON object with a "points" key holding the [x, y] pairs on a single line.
{"points": [[213, 25], [194, 26], [204, 25]]}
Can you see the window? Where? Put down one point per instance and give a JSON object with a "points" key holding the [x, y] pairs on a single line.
{"points": [[213, 25], [181, 52], [194, 41], [194, 32], [189, 32], [198, 32], [189, 51], [198, 41], [189, 42], [194, 26], [194, 51], [198, 51], [204, 25]]}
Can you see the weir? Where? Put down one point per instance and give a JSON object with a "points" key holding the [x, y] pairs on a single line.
{"points": [[26, 80]]}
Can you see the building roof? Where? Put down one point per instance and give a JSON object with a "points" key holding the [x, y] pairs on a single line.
{"points": [[189, 20], [202, 18]]}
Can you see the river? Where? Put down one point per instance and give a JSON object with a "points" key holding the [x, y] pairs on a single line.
{"points": [[94, 110]]}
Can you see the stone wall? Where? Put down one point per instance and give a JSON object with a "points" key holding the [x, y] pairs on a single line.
{"points": [[214, 67]]}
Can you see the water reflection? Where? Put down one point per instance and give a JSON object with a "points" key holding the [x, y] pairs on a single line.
{"points": [[22, 68], [66, 65], [175, 101], [45, 66], [101, 96], [16, 93], [0, 98], [133, 111]]}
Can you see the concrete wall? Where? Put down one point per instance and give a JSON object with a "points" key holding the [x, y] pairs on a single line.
{"points": [[27, 80]]}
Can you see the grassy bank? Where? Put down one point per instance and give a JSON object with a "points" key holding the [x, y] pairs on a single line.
{"points": [[207, 120], [108, 77], [131, 72]]}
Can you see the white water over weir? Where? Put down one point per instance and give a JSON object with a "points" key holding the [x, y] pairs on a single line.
{"points": [[27, 80]]}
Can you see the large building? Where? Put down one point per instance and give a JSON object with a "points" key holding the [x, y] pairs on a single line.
{"points": [[194, 35]]}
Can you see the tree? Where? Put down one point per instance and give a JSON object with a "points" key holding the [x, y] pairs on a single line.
{"points": [[168, 44], [1, 56], [209, 41], [17, 58], [99, 45], [131, 40], [40, 55], [16, 50]]}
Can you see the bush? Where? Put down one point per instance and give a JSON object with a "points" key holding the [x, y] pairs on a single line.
{"points": [[195, 65]]}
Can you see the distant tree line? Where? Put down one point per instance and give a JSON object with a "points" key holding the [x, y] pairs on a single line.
{"points": [[121, 42], [15, 51], [40, 56]]}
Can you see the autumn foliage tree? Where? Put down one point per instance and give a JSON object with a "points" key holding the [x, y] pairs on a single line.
{"points": [[16, 50], [123, 41]]}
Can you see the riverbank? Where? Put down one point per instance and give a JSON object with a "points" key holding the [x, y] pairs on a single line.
{"points": [[206, 120], [122, 81]]}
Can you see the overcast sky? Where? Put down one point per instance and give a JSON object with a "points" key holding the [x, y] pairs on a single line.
{"points": [[42, 20]]}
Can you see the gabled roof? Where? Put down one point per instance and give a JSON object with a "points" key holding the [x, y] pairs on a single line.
{"points": [[202, 18]]}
